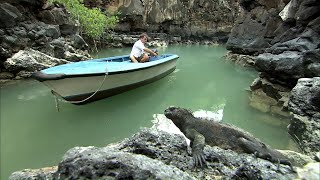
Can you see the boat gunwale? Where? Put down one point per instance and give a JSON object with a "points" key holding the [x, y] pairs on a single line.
{"points": [[41, 76]]}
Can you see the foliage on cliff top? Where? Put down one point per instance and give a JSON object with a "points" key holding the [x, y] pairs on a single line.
{"points": [[93, 22]]}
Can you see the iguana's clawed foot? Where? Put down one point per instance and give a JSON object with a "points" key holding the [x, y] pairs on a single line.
{"points": [[199, 160]]}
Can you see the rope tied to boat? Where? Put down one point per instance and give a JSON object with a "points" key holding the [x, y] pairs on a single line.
{"points": [[56, 95]]}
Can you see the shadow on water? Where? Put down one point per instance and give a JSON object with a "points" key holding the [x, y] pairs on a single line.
{"points": [[34, 134]]}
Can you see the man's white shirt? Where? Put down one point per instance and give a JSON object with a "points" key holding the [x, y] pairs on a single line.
{"points": [[137, 49]]}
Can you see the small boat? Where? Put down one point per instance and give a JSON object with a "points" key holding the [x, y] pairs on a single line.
{"points": [[91, 80]]}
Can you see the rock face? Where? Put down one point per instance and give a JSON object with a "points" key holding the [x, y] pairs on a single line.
{"points": [[288, 66], [34, 24], [199, 19], [255, 27], [287, 46], [152, 154], [304, 102], [284, 39]]}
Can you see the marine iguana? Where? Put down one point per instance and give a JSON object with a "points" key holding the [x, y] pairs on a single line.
{"points": [[201, 132]]}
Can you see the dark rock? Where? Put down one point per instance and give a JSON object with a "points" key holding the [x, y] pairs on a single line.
{"points": [[79, 42], [315, 25], [255, 28], [59, 52], [58, 42], [20, 32], [285, 33], [69, 29], [6, 75], [286, 68], [53, 31], [289, 61], [308, 10], [306, 132], [304, 103], [28, 25], [102, 163], [4, 54], [253, 32], [11, 40], [303, 97], [36, 3], [153, 154], [9, 15], [196, 20], [311, 63], [56, 16]]}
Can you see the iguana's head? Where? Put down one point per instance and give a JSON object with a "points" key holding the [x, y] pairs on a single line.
{"points": [[177, 115]]}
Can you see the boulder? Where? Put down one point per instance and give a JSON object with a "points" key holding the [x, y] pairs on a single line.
{"points": [[104, 163], [288, 66], [56, 16], [305, 105], [31, 60], [9, 15], [155, 154]]}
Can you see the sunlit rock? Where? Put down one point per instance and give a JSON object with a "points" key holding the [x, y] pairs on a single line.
{"points": [[31, 60], [42, 173], [311, 171]]}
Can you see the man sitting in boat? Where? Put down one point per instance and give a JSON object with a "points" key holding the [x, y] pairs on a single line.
{"points": [[138, 52]]}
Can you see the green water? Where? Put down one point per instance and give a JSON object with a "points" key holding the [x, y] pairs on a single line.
{"points": [[35, 135]]}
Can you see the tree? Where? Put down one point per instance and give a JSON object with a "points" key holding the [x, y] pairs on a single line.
{"points": [[93, 22]]}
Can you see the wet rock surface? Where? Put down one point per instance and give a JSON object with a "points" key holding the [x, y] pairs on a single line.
{"points": [[157, 154]]}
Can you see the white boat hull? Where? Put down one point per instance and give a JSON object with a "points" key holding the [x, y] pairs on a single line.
{"points": [[84, 89]]}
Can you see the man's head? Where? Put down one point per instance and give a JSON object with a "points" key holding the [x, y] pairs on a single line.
{"points": [[144, 37]]}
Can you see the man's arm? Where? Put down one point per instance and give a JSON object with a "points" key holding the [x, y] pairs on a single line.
{"points": [[150, 51]]}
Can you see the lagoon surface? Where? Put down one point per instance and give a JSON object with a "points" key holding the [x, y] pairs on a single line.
{"points": [[35, 135]]}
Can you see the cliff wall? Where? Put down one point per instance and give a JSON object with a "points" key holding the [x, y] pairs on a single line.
{"points": [[283, 38], [196, 19]]}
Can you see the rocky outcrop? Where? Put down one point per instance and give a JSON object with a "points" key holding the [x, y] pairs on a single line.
{"points": [[287, 46], [289, 66], [284, 39], [255, 27], [127, 40], [269, 98], [42, 27], [30, 61], [199, 19], [304, 102], [155, 154]]}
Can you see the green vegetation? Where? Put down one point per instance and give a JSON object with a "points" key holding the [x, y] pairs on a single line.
{"points": [[93, 22]]}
